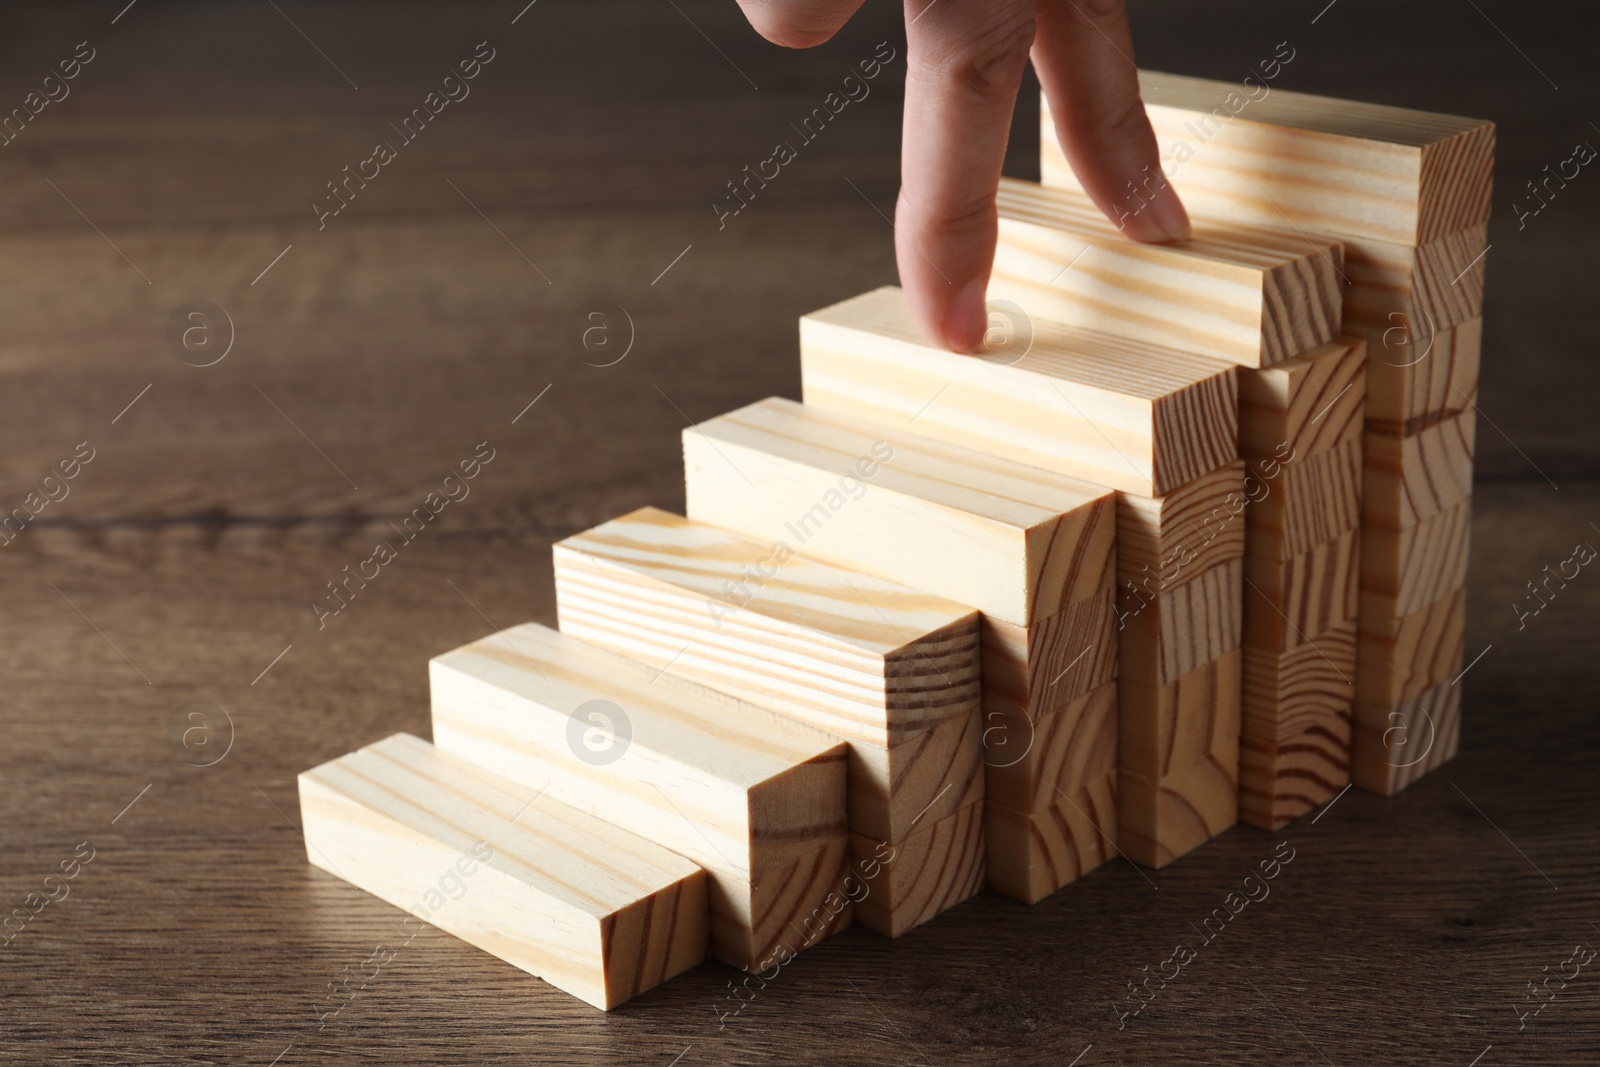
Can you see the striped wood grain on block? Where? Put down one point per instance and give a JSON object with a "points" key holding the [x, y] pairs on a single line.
{"points": [[1336, 166], [1298, 505], [1400, 658], [1163, 819], [925, 777], [1166, 540], [1304, 405], [1033, 854], [1415, 380], [1423, 289], [1188, 720], [1018, 543], [783, 912], [588, 907], [1281, 780], [1240, 293], [1403, 571], [1181, 629], [907, 882], [1311, 687], [855, 655], [1290, 602], [1411, 479], [725, 783], [1038, 669], [1393, 747], [1115, 412], [1028, 761]]}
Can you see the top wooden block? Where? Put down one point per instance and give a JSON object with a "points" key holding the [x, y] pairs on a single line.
{"points": [[1249, 295], [1018, 543], [1335, 166], [1123, 414]]}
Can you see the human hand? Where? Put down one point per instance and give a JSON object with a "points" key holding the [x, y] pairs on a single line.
{"points": [[964, 65]]}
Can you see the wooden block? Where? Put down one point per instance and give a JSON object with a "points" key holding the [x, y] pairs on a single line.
{"points": [[1194, 718], [1112, 411], [588, 907], [1401, 658], [1281, 780], [1298, 505], [723, 782], [855, 655], [1274, 157], [1166, 540], [924, 778], [1244, 294], [907, 882], [1421, 288], [1035, 670], [1290, 602], [1309, 688], [1032, 854], [1027, 761], [1018, 543], [1180, 629], [1403, 571], [1305, 405], [1163, 819], [1408, 480], [784, 912], [1391, 749], [1415, 380]]}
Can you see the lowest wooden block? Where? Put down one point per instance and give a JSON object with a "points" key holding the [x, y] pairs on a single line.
{"points": [[1164, 819], [1403, 571], [1281, 780], [1018, 543], [1180, 629], [590, 908], [1164, 541], [1032, 854], [1244, 294], [1117, 412], [1416, 379], [783, 912], [855, 655], [1193, 718], [1300, 504], [1290, 602], [1410, 479], [905, 883], [1304, 405], [1394, 746], [1400, 658]]}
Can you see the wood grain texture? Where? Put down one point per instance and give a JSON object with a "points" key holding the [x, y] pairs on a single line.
{"points": [[1290, 602], [1030, 855], [1336, 166], [1298, 505], [724, 782], [1308, 404], [1411, 479], [1026, 762], [1018, 543], [588, 907], [1166, 540], [1420, 288], [920, 876], [1283, 779], [1117, 412], [1402, 657], [1033, 671], [1392, 747], [1417, 380], [857, 656], [1308, 688], [1164, 819], [1166, 636], [754, 924], [1244, 294], [1403, 571], [1196, 717], [925, 777]]}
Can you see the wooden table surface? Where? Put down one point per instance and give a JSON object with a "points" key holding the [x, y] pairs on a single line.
{"points": [[370, 355]]}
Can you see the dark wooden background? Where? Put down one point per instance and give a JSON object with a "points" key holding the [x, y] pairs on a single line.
{"points": [[377, 352]]}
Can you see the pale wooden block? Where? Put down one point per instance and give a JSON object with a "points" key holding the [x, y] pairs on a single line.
{"points": [[1032, 854], [1164, 728], [929, 775], [1163, 819], [1393, 747], [1115, 412], [1415, 380], [1400, 658], [1305, 405], [1411, 479], [590, 908], [1281, 780], [1308, 688], [1403, 571], [1298, 505], [755, 924], [907, 882], [1027, 762], [1035, 670], [726, 783], [1290, 602], [1166, 540], [1244, 294], [1163, 637], [1286, 158], [1016, 542], [858, 656], [1420, 288]]}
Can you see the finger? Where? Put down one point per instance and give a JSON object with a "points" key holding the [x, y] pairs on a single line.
{"points": [[798, 23], [1084, 58], [964, 65]]}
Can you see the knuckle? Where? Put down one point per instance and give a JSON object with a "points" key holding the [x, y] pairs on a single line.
{"points": [[989, 63], [1098, 11], [953, 218]]}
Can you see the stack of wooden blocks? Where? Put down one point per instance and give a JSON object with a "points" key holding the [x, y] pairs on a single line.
{"points": [[1184, 547]]}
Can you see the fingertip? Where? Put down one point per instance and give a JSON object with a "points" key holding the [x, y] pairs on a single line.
{"points": [[966, 318]]}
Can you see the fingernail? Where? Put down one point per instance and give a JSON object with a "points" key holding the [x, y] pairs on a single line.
{"points": [[1169, 214], [967, 318]]}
